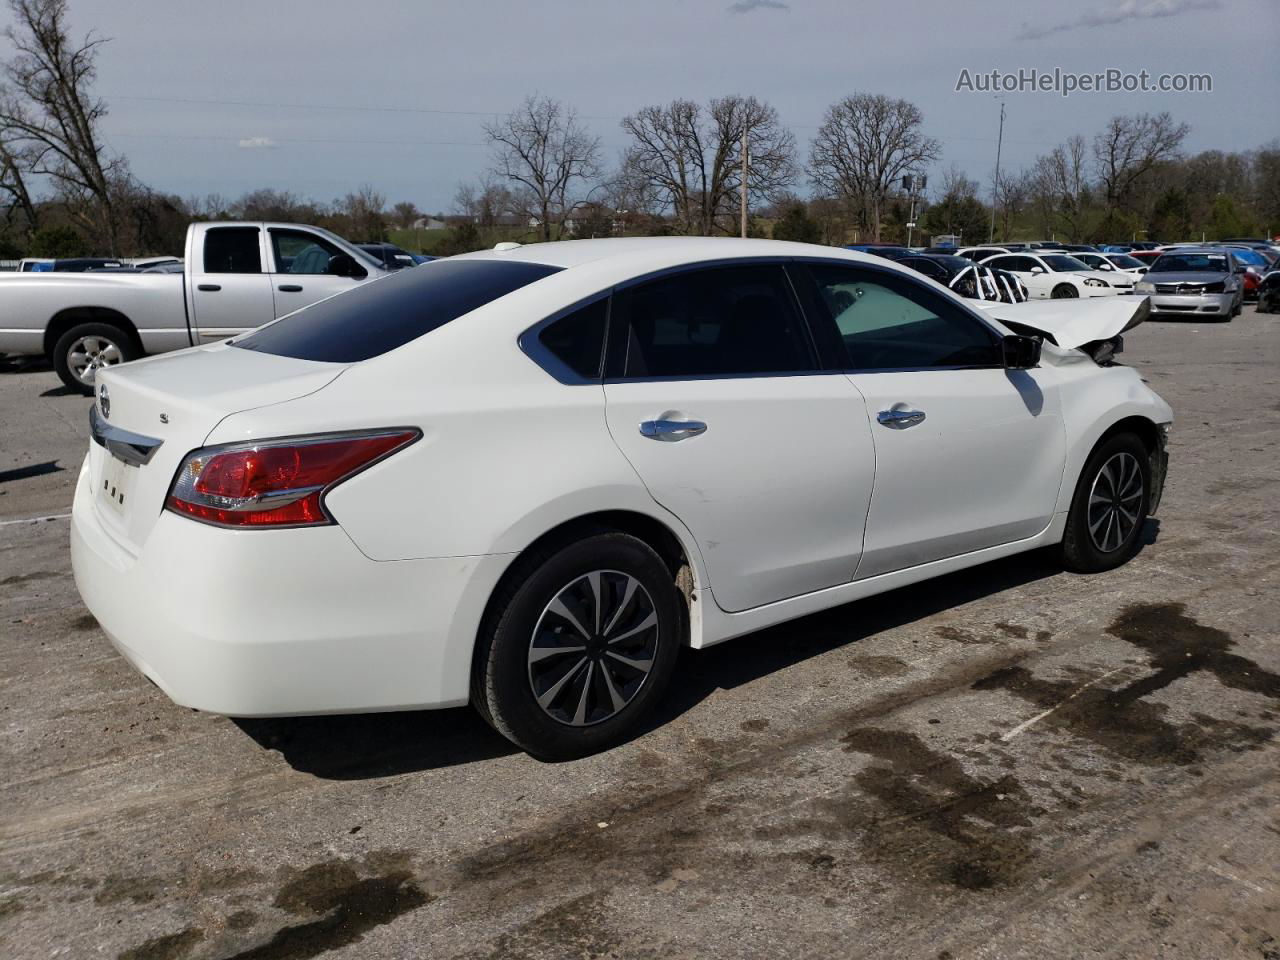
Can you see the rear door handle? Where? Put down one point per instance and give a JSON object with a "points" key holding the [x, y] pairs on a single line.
{"points": [[899, 418], [672, 430], [209, 287], [289, 288]]}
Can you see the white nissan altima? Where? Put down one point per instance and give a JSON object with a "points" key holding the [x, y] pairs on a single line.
{"points": [[524, 478]]}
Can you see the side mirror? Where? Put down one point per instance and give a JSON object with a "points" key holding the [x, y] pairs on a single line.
{"points": [[1021, 353], [344, 265], [1037, 269]]}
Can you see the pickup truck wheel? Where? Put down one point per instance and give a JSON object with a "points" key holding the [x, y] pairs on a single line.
{"points": [[86, 348]]}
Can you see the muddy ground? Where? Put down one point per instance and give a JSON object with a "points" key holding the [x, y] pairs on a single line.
{"points": [[1010, 762]]}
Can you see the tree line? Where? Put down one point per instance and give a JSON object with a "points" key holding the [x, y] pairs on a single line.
{"points": [[681, 172]]}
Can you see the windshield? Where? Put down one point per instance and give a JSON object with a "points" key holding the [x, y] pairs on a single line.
{"points": [[1063, 264], [378, 316], [1125, 262], [1191, 263]]}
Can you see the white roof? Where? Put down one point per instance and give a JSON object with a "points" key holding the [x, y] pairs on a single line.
{"points": [[659, 251]]}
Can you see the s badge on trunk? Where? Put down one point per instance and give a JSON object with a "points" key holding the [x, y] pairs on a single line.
{"points": [[104, 402]]}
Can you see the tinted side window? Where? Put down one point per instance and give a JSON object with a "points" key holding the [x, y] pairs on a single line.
{"points": [[577, 339], [889, 323], [232, 250], [378, 316], [721, 320]]}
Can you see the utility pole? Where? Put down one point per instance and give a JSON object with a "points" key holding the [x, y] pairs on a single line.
{"points": [[995, 187], [742, 186]]}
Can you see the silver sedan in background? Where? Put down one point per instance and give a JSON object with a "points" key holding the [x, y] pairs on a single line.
{"points": [[1202, 282]]}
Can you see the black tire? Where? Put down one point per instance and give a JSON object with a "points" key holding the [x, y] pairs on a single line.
{"points": [[118, 348], [1081, 550], [503, 674], [1064, 291]]}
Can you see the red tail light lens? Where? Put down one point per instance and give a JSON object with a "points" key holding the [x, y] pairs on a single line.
{"points": [[275, 483]]}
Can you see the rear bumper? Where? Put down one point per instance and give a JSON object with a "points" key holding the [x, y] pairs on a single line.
{"points": [[281, 622]]}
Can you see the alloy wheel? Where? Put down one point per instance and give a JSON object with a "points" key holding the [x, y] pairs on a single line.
{"points": [[1115, 502], [593, 648], [90, 354]]}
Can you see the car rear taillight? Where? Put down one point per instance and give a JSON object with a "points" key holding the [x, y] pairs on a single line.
{"points": [[275, 483]]}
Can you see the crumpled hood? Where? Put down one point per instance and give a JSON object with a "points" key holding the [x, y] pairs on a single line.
{"points": [[1073, 323]]}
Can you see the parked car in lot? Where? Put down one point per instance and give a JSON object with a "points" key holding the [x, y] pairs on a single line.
{"points": [[1204, 281], [526, 478], [69, 265], [892, 251], [1145, 256], [1113, 262], [970, 280], [1058, 276], [1256, 265], [389, 255], [1269, 293], [236, 276]]}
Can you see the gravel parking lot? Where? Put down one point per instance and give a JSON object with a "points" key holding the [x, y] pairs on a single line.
{"points": [[1009, 762]]}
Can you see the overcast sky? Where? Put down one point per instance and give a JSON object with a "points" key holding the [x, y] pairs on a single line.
{"points": [[320, 96]]}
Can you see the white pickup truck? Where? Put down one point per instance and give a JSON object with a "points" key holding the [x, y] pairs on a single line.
{"points": [[236, 276]]}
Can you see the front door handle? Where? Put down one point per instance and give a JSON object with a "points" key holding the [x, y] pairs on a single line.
{"points": [[289, 288], [209, 287], [672, 430], [899, 418]]}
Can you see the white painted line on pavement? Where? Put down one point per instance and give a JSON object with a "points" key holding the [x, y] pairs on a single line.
{"points": [[1040, 716], [55, 516]]}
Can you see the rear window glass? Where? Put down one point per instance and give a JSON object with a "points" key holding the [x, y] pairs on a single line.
{"points": [[380, 315]]}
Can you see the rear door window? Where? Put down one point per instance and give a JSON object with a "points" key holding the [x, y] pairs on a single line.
{"points": [[714, 322], [380, 315], [232, 250]]}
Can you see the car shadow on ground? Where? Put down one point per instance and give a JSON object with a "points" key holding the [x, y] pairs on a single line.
{"points": [[369, 746]]}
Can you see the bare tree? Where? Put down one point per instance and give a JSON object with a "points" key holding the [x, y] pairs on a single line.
{"points": [[405, 213], [364, 212], [1127, 150], [866, 142], [485, 201], [1060, 188], [542, 148], [49, 115], [688, 160], [1012, 193], [13, 182]]}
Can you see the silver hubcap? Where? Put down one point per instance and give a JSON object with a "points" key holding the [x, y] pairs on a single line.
{"points": [[89, 354], [1115, 502], [593, 648]]}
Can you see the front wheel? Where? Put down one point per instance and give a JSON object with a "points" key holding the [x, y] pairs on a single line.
{"points": [[1064, 291], [85, 349], [1109, 507], [578, 647]]}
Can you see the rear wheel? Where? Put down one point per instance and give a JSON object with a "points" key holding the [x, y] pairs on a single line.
{"points": [[85, 349], [1064, 291], [579, 645], [1109, 507]]}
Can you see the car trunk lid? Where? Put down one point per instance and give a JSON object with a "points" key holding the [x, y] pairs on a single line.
{"points": [[149, 415]]}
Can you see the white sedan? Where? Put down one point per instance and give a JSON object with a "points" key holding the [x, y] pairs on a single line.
{"points": [[525, 478], [1060, 276]]}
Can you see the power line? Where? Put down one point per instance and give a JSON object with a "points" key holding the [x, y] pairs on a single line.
{"points": [[360, 108]]}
